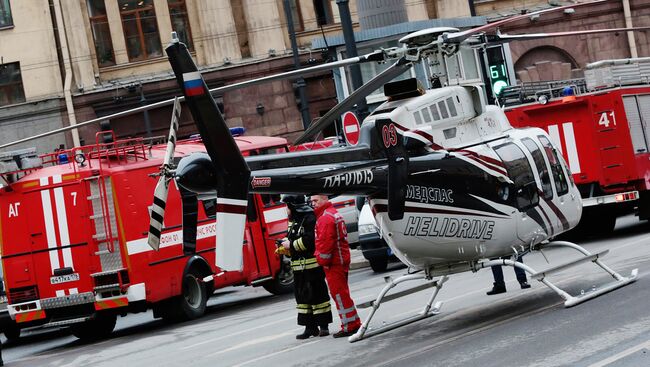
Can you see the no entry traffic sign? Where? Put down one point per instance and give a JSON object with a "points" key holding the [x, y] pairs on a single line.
{"points": [[351, 128]]}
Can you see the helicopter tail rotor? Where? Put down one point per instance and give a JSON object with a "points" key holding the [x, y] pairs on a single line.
{"points": [[232, 172], [162, 188], [398, 161]]}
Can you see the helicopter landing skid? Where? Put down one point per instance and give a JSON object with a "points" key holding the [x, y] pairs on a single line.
{"points": [[429, 309], [569, 300]]}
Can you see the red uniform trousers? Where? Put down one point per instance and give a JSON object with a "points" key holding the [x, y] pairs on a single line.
{"points": [[337, 281]]}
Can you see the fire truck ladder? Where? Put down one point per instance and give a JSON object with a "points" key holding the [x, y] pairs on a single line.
{"points": [[103, 215]]}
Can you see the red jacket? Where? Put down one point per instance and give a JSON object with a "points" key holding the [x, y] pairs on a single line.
{"points": [[331, 237]]}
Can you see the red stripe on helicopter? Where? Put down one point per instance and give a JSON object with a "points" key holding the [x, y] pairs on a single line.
{"points": [[231, 208], [486, 158], [558, 212], [427, 136], [486, 164]]}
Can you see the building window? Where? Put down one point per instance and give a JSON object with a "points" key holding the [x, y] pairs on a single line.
{"points": [[324, 14], [5, 14], [181, 22], [140, 29], [11, 84], [296, 16], [101, 32]]}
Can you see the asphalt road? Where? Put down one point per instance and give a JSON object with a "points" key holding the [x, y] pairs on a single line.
{"points": [[248, 327]]}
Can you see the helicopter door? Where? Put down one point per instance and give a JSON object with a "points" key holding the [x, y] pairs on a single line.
{"points": [[524, 187], [560, 182]]}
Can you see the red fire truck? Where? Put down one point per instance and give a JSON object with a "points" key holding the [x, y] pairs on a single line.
{"points": [[602, 125], [73, 234]]}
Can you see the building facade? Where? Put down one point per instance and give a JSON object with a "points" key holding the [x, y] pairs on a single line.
{"points": [[64, 62], [106, 56]]}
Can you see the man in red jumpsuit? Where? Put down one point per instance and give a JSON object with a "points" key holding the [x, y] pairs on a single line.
{"points": [[333, 254]]}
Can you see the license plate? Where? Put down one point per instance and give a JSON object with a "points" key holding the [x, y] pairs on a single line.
{"points": [[64, 278]]}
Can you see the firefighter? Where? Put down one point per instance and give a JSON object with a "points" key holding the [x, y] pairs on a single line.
{"points": [[333, 253], [310, 289]]}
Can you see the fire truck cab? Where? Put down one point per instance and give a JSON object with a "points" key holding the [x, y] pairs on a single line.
{"points": [[601, 124], [73, 235]]}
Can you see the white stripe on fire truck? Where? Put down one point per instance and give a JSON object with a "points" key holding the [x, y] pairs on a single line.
{"points": [[60, 293], [170, 239], [554, 133], [275, 215], [571, 148], [49, 225], [62, 219]]}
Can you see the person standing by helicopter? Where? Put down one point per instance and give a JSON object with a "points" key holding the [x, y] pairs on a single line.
{"points": [[310, 289], [500, 284], [333, 254]]}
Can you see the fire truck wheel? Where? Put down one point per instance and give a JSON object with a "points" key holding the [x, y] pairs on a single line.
{"points": [[12, 332], [283, 281], [192, 302], [97, 328]]}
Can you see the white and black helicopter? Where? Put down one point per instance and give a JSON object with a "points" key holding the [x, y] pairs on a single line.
{"points": [[450, 182]]}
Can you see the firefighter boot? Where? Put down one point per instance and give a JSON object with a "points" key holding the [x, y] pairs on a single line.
{"points": [[309, 331], [324, 331], [497, 289]]}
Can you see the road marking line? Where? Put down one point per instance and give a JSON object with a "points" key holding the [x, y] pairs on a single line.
{"points": [[275, 353], [249, 343], [237, 333], [622, 354]]}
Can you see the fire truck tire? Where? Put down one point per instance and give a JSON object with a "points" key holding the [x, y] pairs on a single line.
{"points": [[283, 281], [12, 332], [191, 303], [97, 328]]}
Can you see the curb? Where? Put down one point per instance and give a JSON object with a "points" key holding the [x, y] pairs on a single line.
{"points": [[357, 261]]}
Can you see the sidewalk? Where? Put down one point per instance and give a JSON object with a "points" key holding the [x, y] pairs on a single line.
{"points": [[357, 261]]}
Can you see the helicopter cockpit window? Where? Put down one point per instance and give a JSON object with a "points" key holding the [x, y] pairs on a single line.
{"points": [[561, 184], [521, 173], [542, 167], [452, 107], [443, 109]]}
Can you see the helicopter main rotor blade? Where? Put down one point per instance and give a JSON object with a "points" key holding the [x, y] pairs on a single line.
{"points": [[375, 56], [373, 84], [458, 37], [502, 38]]}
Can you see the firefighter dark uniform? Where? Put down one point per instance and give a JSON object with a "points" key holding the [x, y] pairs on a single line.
{"points": [[310, 289], [333, 253]]}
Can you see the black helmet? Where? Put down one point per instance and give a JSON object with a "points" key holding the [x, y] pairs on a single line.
{"points": [[294, 200], [296, 203]]}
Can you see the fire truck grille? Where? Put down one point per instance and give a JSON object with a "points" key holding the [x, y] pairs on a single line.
{"points": [[24, 294]]}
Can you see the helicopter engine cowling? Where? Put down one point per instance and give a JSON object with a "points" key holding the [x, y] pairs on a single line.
{"points": [[196, 173]]}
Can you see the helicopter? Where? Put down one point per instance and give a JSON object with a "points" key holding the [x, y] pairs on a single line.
{"points": [[451, 183]]}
